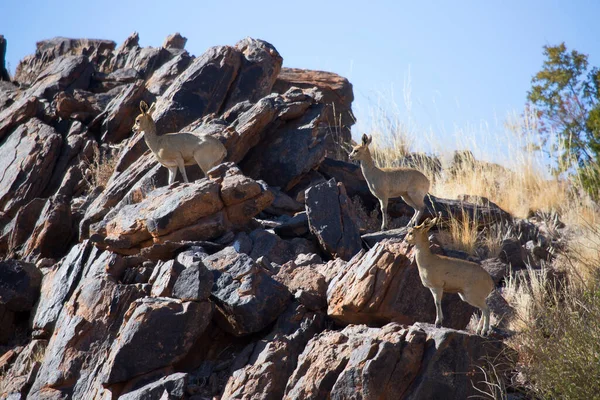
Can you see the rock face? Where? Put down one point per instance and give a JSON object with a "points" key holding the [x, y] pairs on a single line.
{"points": [[155, 333], [390, 363], [197, 211], [331, 219], [114, 284], [246, 298], [383, 285]]}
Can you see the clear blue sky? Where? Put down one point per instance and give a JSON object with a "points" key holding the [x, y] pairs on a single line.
{"points": [[468, 62]]}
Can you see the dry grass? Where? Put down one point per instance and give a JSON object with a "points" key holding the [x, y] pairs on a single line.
{"points": [[100, 168]]}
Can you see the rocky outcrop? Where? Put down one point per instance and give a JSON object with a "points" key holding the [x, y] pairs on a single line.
{"points": [[197, 211], [139, 289], [383, 285], [332, 220], [391, 362], [246, 298], [261, 370]]}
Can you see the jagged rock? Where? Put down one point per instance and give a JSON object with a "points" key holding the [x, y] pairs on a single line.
{"points": [[163, 278], [294, 226], [156, 332], [120, 113], [250, 126], [97, 51], [305, 283], [7, 324], [392, 362], [27, 157], [284, 204], [189, 210], [19, 378], [85, 330], [276, 249], [246, 298], [290, 151], [53, 231], [497, 269], [102, 83], [397, 235], [80, 105], [336, 93], [258, 71], [23, 224], [263, 368], [64, 73], [173, 386], [163, 77], [19, 285], [383, 285], [58, 285], [17, 114], [118, 188], [76, 151], [144, 60], [194, 283], [332, 220], [175, 41], [204, 84]]}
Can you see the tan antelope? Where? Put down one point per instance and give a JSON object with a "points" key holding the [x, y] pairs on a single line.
{"points": [[176, 150], [386, 183], [442, 274]]}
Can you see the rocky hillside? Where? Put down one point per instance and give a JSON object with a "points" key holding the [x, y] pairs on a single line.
{"points": [[254, 282]]}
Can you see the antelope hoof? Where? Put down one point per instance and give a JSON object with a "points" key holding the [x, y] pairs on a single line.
{"points": [[438, 324]]}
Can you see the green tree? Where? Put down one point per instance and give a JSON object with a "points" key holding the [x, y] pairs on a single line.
{"points": [[566, 95]]}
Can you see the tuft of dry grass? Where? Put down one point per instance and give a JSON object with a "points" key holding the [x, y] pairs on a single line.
{"points": [[100, 169]]}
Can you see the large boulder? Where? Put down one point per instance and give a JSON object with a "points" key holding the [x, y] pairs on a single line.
{"points": [[392, 362], [58, 285], [19, 285], [86, 328], [383, 285], [200, 90], [27, 158], [155, 333], [173, 386], [258, 71], [332, 220], [290, 151], [53, 231], [246, 298]]}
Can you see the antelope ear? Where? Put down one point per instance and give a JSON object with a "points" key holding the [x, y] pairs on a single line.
{"points": [[152, 109], [365, 139], [143, 107]]}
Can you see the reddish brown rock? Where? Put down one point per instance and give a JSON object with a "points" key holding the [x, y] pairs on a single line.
{"points": [[263, 368], [383, 285], [155, 333], [393, 362]]}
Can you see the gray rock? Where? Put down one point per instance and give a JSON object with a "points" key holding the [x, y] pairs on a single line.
{"points": [[163, 278], [27, 157], [157, 332], [194, 283], [171, 387], [247, 299], [19, 285], [332, 220]]}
